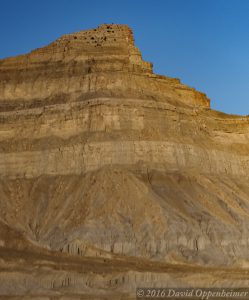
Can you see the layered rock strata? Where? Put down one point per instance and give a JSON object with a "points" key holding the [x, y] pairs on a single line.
{"points": [[100, 156]]}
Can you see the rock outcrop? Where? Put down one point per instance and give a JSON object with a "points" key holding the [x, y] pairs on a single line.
{"points": [[101, 157]]}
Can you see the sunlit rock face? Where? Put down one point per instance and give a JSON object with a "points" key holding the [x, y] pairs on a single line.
{"points": [[100, 157]]}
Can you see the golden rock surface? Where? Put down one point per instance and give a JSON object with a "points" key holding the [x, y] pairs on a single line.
{"points": [[113, 177]]}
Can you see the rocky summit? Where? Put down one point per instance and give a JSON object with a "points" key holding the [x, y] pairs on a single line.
{"points": [[113, 177]]}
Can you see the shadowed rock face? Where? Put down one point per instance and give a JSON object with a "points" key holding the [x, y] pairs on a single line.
{"points": [[101, 157]]}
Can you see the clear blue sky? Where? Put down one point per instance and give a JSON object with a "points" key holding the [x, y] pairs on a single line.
{"points": [[205, 43]]}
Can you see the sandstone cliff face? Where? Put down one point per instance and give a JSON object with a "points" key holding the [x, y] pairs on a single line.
{"points": [[100, 156]]}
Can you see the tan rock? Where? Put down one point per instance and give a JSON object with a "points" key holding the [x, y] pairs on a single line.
{"points": [[101, 157]]}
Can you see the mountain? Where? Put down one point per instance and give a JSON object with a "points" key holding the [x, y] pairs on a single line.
{"points": [[106, 165]]}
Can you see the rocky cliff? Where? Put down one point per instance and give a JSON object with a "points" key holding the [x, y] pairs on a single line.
{"points": [[101, 157]]}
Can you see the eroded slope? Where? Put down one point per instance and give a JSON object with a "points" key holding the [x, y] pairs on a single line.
{"points": [[101, 157]]}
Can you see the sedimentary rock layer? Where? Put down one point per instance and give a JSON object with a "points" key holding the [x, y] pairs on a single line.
{"points": [[100, 156]]}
